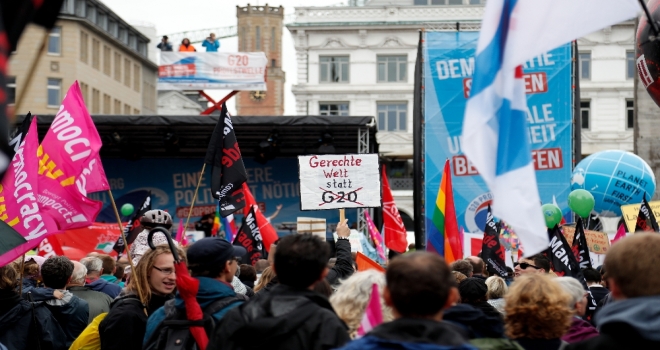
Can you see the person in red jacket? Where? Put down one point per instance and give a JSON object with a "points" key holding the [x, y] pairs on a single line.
{"points": [[186, 46]]}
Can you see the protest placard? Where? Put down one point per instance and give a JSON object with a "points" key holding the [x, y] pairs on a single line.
{"points": [[597, 241], [630, 212], [339, 181]]}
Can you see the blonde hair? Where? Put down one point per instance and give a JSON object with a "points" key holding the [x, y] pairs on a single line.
{"points": [[459, 276], [536, 308], [139, 282], [496, 287], [351, 298], [265, 278]]}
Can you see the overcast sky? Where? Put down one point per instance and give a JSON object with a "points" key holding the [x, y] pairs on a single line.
{"points": [[173, 16]]}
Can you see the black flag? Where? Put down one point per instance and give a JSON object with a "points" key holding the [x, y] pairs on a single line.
{"points": [[249, 238], [580, 248], [646, 219], [18, 135], [133, 228], [492, 250], [228, 171]]}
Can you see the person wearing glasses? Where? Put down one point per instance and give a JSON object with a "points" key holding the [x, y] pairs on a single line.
{"points": [[150, 286], [214, 262], [534, 264]]}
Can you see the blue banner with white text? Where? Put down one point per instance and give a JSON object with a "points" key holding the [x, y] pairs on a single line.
{"points": [[448, 68]]}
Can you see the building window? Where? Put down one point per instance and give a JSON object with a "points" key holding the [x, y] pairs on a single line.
{"points": [[113, 28], [455, 2], [117, 106], [11, 90], [117, 66], [127, 72], [475, 2], [392, 69], [55, 41], [96, 54], [102, 20], [96, 101], [127, 109], [243, 47], [334, 69], [630, 64], [84, 40], [137, 77], [272, 63], [585, 113], [257, 45], [91, 14], [132, 42], [334, 108], [54, 90], [272, 39], [585, 65], [80, 8], [84, 88], [136, 111], [107, 64], [123, 35], [106, 104], [630, 114], [392, 116]]}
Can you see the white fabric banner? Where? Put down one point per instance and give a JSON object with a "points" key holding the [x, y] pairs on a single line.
{"points": [[339, 181]]}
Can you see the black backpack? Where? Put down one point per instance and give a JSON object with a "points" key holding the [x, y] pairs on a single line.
{"points": [[173, 333]]}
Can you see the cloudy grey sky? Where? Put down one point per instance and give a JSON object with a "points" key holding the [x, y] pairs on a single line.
{"points": [[173, 16]]}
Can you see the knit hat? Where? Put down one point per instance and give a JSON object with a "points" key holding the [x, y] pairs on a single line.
{"points": [[473, 289]]}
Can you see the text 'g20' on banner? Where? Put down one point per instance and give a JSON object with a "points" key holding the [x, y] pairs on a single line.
{"points": [[339, 181], [448, 68], [212, 70]]}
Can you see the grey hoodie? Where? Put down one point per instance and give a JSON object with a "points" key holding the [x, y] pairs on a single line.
{"points": [[642, 314]]}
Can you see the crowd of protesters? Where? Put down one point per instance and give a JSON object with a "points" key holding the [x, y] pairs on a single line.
{"points": [[301, 298], [211, 44]]}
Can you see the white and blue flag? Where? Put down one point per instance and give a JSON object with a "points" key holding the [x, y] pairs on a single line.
{"points": [[495, 132]]}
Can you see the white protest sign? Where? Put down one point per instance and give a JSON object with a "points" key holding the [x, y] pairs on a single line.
{"points": [[339, 181]]}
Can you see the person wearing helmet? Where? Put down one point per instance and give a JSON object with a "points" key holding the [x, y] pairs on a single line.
{"points": [[151, 219]]}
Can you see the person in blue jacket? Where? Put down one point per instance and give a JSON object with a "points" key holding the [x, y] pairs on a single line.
{"points": [[211, 43], [420, 286]]}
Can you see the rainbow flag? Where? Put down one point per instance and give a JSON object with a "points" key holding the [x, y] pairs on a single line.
{"points": [[443, 236], [216, 221], [230, 227]]}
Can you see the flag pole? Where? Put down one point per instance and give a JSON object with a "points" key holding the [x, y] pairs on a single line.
{"points": [[342, 215], [192, 204], [128, 253]]}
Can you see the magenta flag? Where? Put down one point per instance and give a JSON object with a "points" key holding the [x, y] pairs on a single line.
{"points": [[19, 206], [69, 165], [373, 314], [375, 236], [620, 233]]}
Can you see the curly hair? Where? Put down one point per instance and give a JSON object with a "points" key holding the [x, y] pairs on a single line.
{"points": [[8, 277], [351, 298], [265, 278], [536, 308]]}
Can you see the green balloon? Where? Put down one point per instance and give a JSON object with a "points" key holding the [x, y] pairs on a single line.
{"points": [[552, 215], [581, 202], [127, 209]]}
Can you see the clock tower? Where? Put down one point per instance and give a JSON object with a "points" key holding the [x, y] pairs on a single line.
{"points": [[260, 29]]}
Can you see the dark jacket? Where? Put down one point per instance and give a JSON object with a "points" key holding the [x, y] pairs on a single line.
{"points": [[38, 292], [17, 320], [164, 46], [124, 326], [541, 344], [285, 318], [98, 302], [599, 293], [103, 286], [72, 313], [580, 330], [344, 266], [477, 324], [487, 309], [413, 334], [627, 324], [209, 291]]}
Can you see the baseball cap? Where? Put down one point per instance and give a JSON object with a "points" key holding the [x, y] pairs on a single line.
{"points": [[472, 288], [212, 252]]}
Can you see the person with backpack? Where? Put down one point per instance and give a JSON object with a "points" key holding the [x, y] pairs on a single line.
{"points": [[151, 285], [25, 325], [213, 262]]}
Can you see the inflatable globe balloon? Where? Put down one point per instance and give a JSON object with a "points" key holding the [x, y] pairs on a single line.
{"points": [[551, 214], [614, 178], [127, 209], [647, 53]]}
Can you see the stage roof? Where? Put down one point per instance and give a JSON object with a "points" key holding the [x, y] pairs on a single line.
{"points": [[144, 136]]}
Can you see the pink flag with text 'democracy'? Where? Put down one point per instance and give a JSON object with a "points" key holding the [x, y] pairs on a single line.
{"points": [[69, 165], [373, 314], [18, 197]]}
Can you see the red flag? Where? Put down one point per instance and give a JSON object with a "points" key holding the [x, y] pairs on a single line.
{"points": [[50, 248], [364, 263], [394, 231], [268, 233]]}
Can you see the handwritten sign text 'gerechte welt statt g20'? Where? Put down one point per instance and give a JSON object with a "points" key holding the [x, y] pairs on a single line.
{"points": [[339, 181]]}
